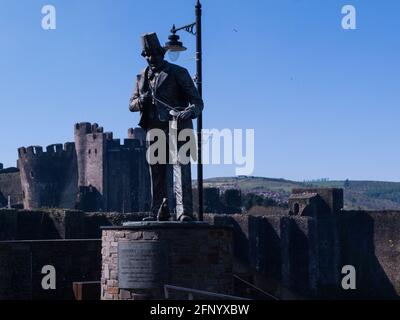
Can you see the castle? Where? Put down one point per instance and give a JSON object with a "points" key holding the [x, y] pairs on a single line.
{"points": [[298, 252], [95, 173]]}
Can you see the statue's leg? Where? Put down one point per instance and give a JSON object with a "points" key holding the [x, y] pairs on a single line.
{"points": [[183, 181], [158, 186], [183, 190], [170, 189], [158, 175]]}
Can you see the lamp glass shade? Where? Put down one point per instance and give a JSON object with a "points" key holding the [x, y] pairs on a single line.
{"points": [[173, 55]]}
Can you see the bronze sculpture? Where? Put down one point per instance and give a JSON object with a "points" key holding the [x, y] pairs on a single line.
{"points": [[161, 88]]}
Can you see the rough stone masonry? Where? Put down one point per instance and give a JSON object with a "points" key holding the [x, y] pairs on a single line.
{"points": [[203, 263]]}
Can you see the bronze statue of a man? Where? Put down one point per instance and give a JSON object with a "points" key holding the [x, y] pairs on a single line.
{"points": [[163, 89]]}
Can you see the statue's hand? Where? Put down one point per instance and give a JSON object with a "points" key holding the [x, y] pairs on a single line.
{"points": [[185, 115], [145, 99]]}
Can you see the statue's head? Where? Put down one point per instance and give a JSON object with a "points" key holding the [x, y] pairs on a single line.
{"points": [[152, 50]]}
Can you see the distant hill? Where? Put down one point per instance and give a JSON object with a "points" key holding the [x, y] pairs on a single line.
{"points": [[367, 195]]}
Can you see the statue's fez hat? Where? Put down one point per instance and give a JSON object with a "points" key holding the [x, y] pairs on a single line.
{"points": [[151, 45]]}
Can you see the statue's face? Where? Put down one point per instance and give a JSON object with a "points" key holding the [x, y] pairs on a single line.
{"points": [[155, 60]]}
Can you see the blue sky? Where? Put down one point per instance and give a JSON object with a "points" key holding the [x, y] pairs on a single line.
{"points": [[324, 102]]}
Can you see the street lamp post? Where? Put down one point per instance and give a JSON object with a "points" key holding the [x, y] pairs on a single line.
{"points": [[174, 46]]}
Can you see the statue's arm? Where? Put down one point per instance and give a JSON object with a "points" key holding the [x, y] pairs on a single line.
{"points": [[134, 102], [187, 85]]}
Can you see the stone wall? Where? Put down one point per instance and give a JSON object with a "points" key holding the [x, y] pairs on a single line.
{"points": [[128, 177], [278, 254], [49, 179], [300, 260], [288, 256], [58, 224], [300, 256], [370, 241], [94, 221], [21, 264], [10, 185], [41, 225]]}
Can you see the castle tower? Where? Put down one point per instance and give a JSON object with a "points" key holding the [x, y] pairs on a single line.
{"points": [[48, 179], [115, 177], [91, 145]]}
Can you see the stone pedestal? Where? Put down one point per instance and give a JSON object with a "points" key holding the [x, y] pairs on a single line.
{"points": [[139, 258]]}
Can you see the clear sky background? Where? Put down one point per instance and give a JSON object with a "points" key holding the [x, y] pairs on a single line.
{"points": [[324, 102]]}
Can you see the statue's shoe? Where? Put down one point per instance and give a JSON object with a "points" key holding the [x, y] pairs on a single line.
{"points": [[164, 217], [185, 218]]}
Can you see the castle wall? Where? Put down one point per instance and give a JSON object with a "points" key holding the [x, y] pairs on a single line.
{"points": [[122, 180], [41, 224], [10, 185], [370, 241], [300, 255], [282, 255], [142, 182], [266, 249], [324, 205], [48, 179], [300, 261], [59, 224], [21, 264], [95, 220], [329, 256], [128, 177]]}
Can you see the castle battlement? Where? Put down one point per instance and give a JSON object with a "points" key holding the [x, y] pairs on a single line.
{"points": [[91, 131], [84, 128], [137, 133], [109, 135], [30, 151], [53, 149]]}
